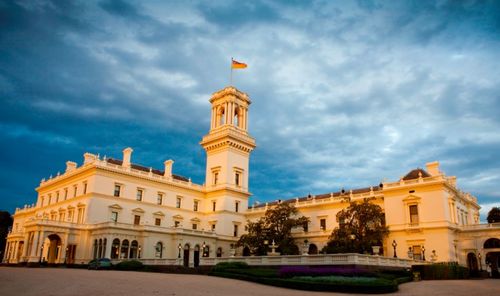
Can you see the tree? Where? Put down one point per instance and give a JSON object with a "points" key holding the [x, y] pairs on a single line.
{"points": [[5, 224], [494, 215], [276, 225], [361, 226]]}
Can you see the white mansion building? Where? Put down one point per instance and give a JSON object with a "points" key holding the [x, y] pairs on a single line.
{"points": [[120, 210]]}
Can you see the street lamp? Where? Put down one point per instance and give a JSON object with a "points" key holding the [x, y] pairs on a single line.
{"points": [[180, 248], [480, 263], [423, 253], [139, 255], [394, 245], [204, 249]]}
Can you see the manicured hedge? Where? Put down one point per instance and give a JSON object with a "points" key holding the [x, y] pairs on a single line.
{"points": [[230, 265], [441, 271], [129, 265], [375, 286]]}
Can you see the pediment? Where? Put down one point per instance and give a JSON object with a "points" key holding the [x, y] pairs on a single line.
{"points": [[195, 220], [178, 217], [412, 198], [159, 213], [115, 207], [138, 210]]}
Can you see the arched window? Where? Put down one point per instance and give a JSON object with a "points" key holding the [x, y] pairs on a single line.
{"points": [[115, 247], [219, 252], [221, 116], [100, 248], [133, 249], [206, 251], [124, 249], [104, 247], [95, 248], [159, 250], [236, 117]]}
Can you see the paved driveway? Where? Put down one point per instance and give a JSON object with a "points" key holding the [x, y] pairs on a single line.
{"points": [[61, 281]]}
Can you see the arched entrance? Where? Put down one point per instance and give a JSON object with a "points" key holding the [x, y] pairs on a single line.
{"points": [[313, 249], [492, 250], [246, 251], [196, 256], [472, 264], [186, 255], [54, 251]]}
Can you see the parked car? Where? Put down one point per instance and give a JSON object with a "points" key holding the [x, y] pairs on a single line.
{"points": [[101, 263]]}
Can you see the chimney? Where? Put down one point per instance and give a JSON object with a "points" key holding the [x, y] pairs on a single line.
{"points": [[70, 166], [168, 168], [88, 158], [127, 154], [433, 168]]}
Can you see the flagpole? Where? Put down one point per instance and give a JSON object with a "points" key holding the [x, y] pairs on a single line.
{"points": [[231, 79]]}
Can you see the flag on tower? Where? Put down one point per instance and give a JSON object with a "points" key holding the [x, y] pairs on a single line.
{"points": [[238, 65]]}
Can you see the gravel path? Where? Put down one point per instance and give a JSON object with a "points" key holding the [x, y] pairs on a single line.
{"points": [[60, 281]]}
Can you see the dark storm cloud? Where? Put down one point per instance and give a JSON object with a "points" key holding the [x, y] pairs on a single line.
{"points": [[345, 94]]}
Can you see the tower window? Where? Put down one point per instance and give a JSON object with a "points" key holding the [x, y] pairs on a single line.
{"points": [[235, 230], [195, 205], [157, 221], [85, 188], [237, 179], [114, 216], [137, 219], [178, 201], [159, 199], [214, 205], [216, 177], [237, 206]]}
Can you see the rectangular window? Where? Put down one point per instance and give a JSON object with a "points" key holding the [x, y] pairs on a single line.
{"points": [[159, 199], [322, 224], [138, 196], [137, 219], [413, 214], [61, 217], [195, 206], [237, 206], [157, 221], [85, 188], [216, 178], [57, 196], [75, 190], [235, 230], [195, 226], [213, 227], [114, 216], [178, 201], [70, 215], [177, 223], [65, 193], [306, 226], [79, 218], [117, 190], [214, 205], [50, 197], [417, 252], [237, 179]]}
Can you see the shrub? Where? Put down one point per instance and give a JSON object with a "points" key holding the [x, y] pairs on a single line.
{"points": [[222, 266], [441, 271], [129, 265], [291, 271]]}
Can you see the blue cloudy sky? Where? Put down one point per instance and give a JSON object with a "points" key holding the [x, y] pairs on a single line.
{"points": [[345, 93]]}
